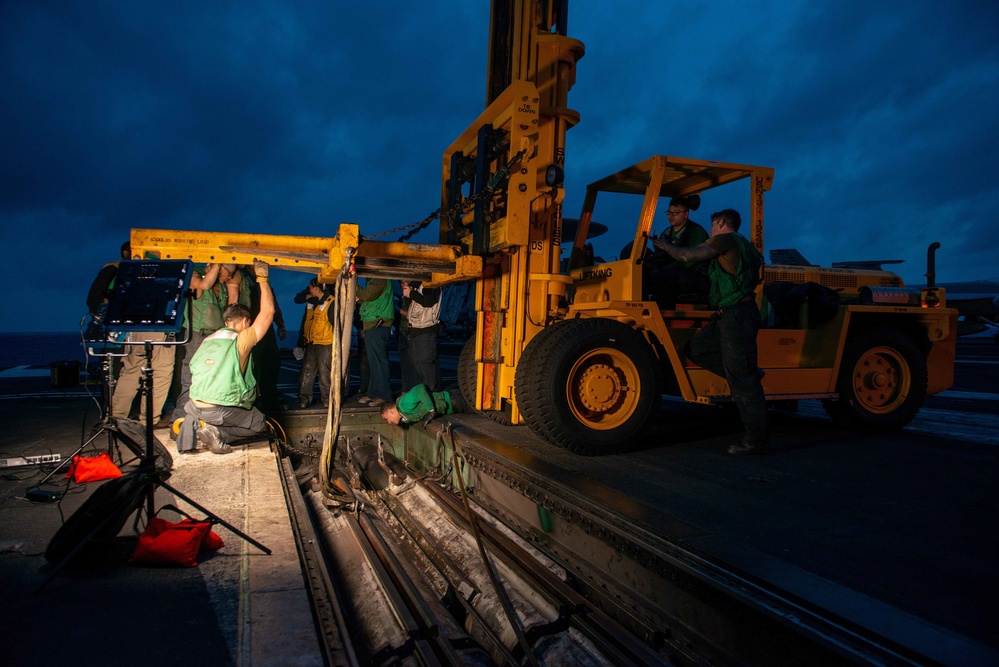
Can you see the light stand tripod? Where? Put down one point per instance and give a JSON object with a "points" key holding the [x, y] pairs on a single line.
{"points": [[134, 491], [147, 467], [107, 424]]}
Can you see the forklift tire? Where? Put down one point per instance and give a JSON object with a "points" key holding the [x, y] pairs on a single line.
{"points": [[589, 385], [882, 381], [467, 371], [467, 381]]}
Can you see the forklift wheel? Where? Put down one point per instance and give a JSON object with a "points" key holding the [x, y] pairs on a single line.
{"points": [[589, 385]]}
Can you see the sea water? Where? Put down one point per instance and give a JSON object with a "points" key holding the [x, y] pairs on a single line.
{"points": [[36, 348]]}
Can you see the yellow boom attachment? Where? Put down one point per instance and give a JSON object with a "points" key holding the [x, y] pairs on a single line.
{"points": [[433, 264]]}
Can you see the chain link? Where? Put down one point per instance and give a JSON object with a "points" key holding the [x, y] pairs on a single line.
{"points": [[458, 209], [288, 447], [413, 226]]}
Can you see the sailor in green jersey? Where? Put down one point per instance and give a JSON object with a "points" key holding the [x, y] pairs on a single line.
{"points": [[726, 345], [223, 387], [377, 299], [670, 278], [421, 403]]}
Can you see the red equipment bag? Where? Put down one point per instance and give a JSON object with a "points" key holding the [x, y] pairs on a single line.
{"points": [[92, 468], [167, 543], [212, 541]]}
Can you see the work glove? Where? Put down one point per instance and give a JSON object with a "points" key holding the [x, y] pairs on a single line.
{"points": [[260, 268], [299, 353]]}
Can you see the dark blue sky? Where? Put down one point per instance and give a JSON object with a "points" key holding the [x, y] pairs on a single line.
{"points": [[288, 118]]}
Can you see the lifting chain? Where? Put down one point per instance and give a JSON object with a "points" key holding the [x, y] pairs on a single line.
{"points": [[291, 449], [458, 209]]}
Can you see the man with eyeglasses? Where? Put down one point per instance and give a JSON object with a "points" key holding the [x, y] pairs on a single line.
{"points": [[670, 278]]}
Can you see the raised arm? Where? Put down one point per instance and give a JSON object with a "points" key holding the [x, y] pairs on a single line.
{"points": [[262, 324], [206, 281]]}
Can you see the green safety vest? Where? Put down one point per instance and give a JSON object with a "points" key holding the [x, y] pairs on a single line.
{"points": [[207, 310], [380, 308], [728, 289], [215, 374]]}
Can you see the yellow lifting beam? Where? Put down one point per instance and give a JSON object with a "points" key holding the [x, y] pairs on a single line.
{"points": [[433, 264]]}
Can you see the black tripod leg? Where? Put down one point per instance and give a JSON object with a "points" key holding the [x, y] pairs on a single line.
{"points": [[215, 518], [115, 436], [70, 458]]}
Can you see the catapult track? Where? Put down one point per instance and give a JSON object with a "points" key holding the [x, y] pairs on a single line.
{"points": [[587, 569]]}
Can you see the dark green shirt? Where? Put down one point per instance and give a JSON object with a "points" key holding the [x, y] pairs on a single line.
{"points": [[417, 403], [735, 272]]}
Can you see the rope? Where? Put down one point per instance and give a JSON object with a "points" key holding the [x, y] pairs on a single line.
{"points": [[343, 316]]}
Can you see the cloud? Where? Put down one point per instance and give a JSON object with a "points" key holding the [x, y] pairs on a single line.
{"points": [[268, 117], [877, 118]]}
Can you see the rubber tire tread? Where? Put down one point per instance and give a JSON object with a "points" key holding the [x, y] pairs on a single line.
{"points": [[852, 415], [538, 367], [467, 371], [467, 381]]}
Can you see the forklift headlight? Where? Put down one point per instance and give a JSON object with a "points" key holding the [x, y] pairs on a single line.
{"points": [[554, 176]]}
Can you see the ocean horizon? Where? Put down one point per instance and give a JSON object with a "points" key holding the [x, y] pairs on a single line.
{"points": [[41, 348]]}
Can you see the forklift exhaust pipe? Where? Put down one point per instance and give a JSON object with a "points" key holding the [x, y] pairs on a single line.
{"points": [[931, 264]]}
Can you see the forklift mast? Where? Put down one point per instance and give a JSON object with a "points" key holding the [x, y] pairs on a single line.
{"points": [[502, 186], [511, 38]]}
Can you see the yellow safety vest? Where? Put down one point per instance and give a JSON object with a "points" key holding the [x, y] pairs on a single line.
{"points": [[318, 330]]}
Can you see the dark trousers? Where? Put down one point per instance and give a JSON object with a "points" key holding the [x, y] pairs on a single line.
{"points": [[267, 366], [318, 359], [423, 357], [409, 377], [233, 423], [363, 370], [376, 340], [727, 347]]}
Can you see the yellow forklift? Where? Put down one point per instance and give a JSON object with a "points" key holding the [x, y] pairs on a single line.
{"points": [[593, 377], [582, 356]]}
